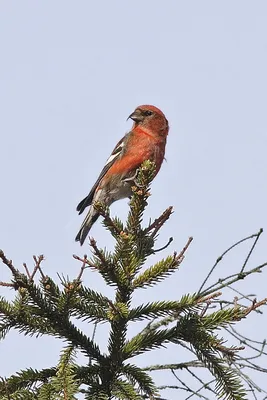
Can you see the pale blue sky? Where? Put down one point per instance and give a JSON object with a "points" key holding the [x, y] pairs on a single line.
{"points": [[71, 73]]}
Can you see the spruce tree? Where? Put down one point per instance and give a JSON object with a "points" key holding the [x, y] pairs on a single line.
{"points": [[195, 321]]}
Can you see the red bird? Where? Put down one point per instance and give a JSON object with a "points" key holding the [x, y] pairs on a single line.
{"points": [[145, 141]]}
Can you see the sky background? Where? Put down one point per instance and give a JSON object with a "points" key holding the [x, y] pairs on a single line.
{"points": [[70, 74]]}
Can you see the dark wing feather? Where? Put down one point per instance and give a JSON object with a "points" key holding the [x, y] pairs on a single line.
{"points": [[87, 201]]}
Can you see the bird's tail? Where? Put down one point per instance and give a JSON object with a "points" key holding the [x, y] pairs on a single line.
{"points": [[87, 224]]}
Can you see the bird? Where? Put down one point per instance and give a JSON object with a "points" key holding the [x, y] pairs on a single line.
{"points": [[145, 141]]}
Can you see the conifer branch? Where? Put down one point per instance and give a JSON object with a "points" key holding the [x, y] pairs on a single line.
{"points": [[191, 322], [139, 377], [148, 341], [114, 225], [158, 309], [160, 270]]}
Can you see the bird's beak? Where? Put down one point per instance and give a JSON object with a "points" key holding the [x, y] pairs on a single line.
{"points": [[136, 116]]}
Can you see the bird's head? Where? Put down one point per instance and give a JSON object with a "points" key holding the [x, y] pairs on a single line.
{"points": [[152, 118]]}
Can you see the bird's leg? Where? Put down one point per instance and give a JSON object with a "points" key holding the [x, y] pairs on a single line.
{"points": [[133, 179]]}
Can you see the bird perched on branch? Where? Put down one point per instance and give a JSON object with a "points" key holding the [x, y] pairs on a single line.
{"points": [[145, 141]]}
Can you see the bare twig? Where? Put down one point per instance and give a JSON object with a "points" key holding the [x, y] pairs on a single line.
{"points": [[157, 224], [204, 385], [86, 261], [207, 299], [251, 250], [180, 256], [84, 265], [188, 389], [257, 235], [254, 306], [164, 247], [225, 282], [243, 296], [9, 264], [187, 364], [6, 284], [238, 336], [248, 339], [99, 254], [37, 267], [27, 271]]}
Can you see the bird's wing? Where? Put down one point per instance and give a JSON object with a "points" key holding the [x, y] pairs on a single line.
{"points": [[116, 153]]}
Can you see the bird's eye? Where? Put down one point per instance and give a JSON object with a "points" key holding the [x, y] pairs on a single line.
{"points": [[148, 112]]}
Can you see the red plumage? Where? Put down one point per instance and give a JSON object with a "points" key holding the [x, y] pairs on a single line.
{"points": [[145, 141]]}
